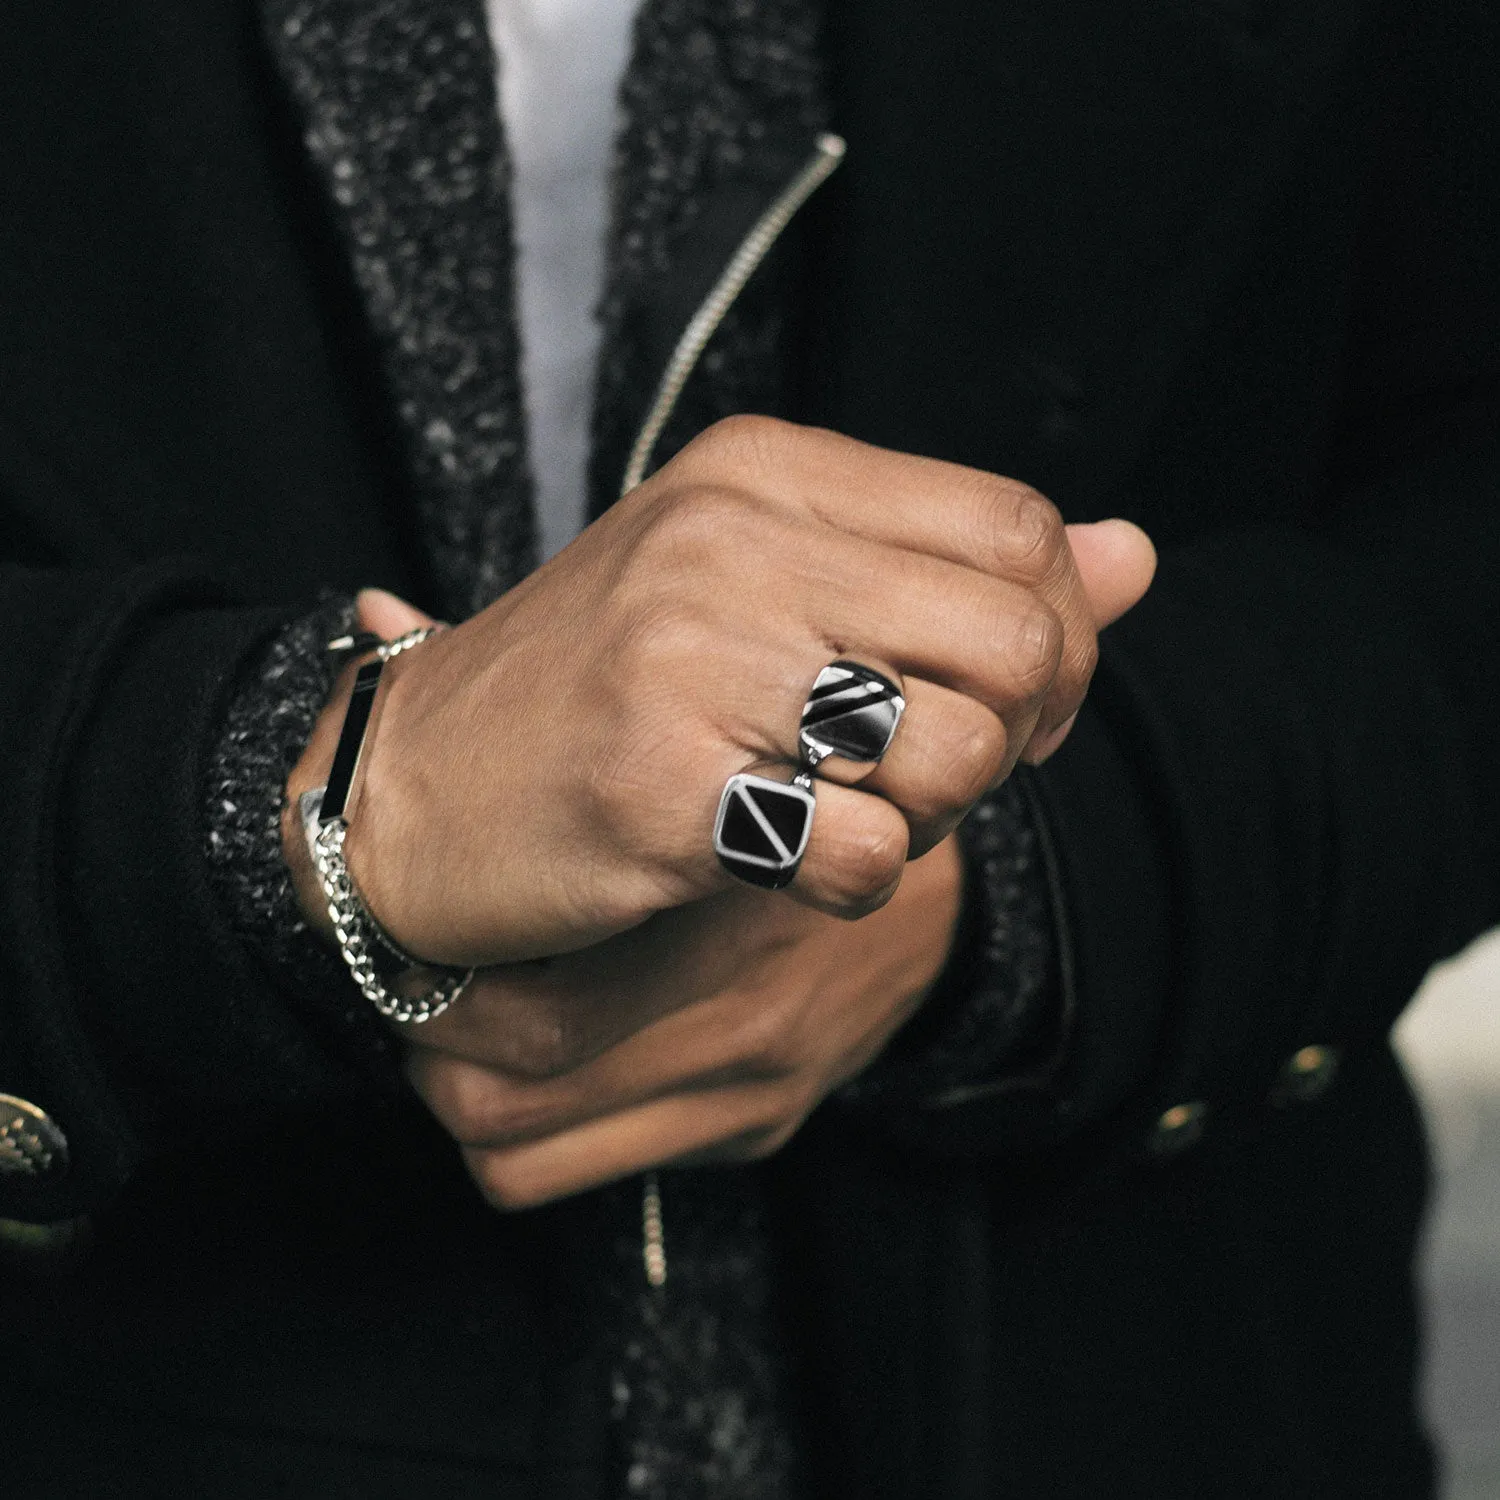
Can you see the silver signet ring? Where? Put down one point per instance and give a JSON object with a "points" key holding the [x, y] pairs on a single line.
{"points": [[762, 827], [852, 712]]}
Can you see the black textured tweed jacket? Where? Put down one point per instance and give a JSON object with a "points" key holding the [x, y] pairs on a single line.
{"points": [[1230, 269]]}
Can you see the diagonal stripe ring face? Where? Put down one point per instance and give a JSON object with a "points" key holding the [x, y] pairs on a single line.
{"points": [[762, 828], [852, 712]]}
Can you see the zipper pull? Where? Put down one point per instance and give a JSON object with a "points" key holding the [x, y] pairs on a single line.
{"points": [[653, 1242]]}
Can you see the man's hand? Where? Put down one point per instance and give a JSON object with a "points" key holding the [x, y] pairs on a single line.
{"points": [[710, 1032], [546, 774], [707, 1034]]}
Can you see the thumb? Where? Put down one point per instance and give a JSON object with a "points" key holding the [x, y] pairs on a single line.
{"points": [[389, 616], [1116, 562]]}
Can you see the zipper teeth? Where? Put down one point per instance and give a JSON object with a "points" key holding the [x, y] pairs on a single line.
{"points": [[753, 249], [742, 265], [653, 1240]]}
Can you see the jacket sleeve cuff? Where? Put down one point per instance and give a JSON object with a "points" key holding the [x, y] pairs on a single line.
{"points": [[1077, 1063], [187, 1036], [996, 1008]]}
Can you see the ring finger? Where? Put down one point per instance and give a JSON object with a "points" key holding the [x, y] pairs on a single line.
{"points": [[854, 844], [946, 753]]}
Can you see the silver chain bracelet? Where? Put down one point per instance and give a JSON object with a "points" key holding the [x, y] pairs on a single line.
{"points": [[322, 812]]}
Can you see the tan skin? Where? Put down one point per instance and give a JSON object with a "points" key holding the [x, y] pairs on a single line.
{"points": [[565, 751]]}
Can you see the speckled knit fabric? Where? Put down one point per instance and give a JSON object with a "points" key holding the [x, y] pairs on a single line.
{"points": [[398, 104], [699, 1383], [401, 120], [269, 721]]}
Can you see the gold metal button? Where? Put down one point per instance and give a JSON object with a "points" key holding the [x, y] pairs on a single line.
{"points": [[1178, 1128], [1306, 1075], [31, 1145]]}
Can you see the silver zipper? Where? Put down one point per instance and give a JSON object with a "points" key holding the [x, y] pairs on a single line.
{"points": [[653, 1240], [704, 324]]}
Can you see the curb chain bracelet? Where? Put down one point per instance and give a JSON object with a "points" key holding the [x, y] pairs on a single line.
{"points": [[322, 810]]}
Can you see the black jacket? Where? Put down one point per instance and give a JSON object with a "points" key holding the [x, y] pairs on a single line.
{"points": [[1229, 268]]}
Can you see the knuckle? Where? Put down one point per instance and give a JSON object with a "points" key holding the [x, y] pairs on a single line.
{"points": [[505, 1185], [1038, 649], [876, 857], [761, 1042], [699, 541], [539, 1048], [975, 763], [871, 862], [1038, 529], [462, 1098], [685, 534], [964, 774], [1026, 530], [704, 519], [743, 441]]}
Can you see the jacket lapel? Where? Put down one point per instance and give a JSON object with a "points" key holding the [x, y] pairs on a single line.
{"points": [[414, 165]]}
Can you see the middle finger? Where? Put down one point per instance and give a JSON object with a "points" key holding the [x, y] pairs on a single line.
{"points": [[947, 752]]}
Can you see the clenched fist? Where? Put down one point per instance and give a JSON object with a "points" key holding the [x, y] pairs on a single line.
{"points": [[546, 774]]}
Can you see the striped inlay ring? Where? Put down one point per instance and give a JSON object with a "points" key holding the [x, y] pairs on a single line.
{"points": [[852, 712], [761, 831]]}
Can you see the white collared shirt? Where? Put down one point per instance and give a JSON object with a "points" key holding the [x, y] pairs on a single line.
{"points": [[560, 65]]}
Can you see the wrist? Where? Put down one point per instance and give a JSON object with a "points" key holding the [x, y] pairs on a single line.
{"points": [[366, 946], [395, 808]]}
